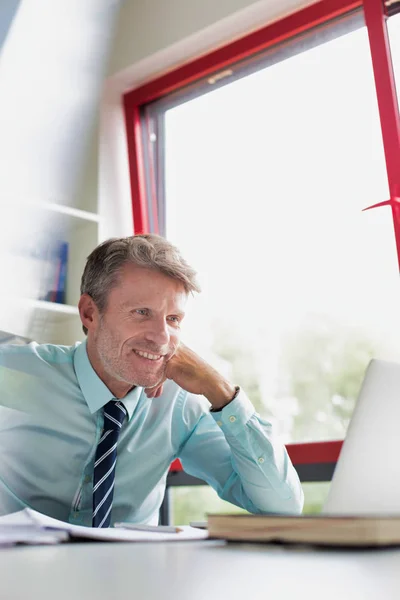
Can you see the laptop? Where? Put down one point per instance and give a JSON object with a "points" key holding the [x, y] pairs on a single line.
{"points": [[366, 480]]}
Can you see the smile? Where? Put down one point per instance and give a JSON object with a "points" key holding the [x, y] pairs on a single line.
{"points": [[148, 355]]}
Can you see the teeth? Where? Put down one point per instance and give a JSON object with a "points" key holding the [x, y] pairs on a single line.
{"points": [[147, 355]]}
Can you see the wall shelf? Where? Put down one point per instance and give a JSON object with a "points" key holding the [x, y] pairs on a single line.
{"points": [[70, 212], [76, 220], [54, 307]]}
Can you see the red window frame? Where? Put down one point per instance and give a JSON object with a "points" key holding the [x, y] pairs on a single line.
{"points": [[318, 14]]}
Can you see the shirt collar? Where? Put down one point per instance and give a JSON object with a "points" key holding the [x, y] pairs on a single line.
{"points": [[94, 390]]}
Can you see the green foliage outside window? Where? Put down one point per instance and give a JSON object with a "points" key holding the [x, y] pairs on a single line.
{"points": [[321, 367], [193, 503]]}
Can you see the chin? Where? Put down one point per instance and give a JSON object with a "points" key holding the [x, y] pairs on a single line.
{"points": [[146, 381]]}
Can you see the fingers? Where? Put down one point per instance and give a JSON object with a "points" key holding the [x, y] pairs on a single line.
{"points": [[156, 391], [159, 391]]}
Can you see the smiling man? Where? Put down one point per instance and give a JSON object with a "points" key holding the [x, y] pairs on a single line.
{"points": [[87, 433]]}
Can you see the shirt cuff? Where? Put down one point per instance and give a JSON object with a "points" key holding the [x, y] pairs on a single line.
{"points": [[235, 414]]}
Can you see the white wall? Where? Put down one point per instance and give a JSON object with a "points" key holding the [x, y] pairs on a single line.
{"points": [[152, 37], [53, 60], [147, 26]]}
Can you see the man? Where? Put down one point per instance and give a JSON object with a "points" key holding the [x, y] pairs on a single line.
{"points": [[87, 433]]}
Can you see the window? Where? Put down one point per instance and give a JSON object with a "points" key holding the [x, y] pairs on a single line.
{"points": [[393, 26], [265, 181], [260, 174]]}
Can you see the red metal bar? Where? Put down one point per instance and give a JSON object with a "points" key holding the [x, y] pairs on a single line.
{"points": [[314, 452], [375, 18], [270, 35], [301, 454], [136, 169], [176, 465]]}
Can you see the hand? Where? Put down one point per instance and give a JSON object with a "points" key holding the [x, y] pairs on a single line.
{"points": [[186, 369], [156, 391], [196, 376]]}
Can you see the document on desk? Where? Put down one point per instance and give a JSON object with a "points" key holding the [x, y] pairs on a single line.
{"points": [[42, 523], [19, 528], [10, 535]]}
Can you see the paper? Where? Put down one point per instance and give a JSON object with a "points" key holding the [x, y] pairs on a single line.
{"points": [[20, 528], [22, 517], [118, 535], [29, 534], [43, 523]]}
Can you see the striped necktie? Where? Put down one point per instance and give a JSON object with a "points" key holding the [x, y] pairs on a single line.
{"points": [[104, 465]]}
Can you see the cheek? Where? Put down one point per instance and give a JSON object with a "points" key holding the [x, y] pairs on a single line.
{"points": [[128, 331]]}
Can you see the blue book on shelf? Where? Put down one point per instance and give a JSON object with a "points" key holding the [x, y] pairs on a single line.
{"points": [[62, 273], [57, 290]]}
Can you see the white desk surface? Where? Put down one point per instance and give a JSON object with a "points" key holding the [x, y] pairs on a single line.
{"points": [[196, 571]]}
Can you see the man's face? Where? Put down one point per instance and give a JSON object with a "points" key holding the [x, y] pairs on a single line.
{"points": [[140, 328]]}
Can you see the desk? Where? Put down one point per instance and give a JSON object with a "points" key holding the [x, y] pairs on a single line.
{"points": [[196, 571]]}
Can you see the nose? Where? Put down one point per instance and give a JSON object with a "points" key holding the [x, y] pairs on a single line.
{"points": [[158, 332]]}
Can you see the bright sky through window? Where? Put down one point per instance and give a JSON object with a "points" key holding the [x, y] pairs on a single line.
{"points": [[266, 179]]}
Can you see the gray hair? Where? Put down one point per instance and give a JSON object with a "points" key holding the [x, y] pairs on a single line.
{"points": [[150, 251]]}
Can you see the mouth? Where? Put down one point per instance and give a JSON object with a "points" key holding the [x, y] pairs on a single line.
{"points": [[148, 356]]}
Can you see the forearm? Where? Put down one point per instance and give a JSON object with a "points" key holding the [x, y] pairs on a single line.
{"points": [[259, 460], [272, 487], [243, 461]]}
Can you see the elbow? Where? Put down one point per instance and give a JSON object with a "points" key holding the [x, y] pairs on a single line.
{"points": [[291, 506], [297, 502], [290, 503]]}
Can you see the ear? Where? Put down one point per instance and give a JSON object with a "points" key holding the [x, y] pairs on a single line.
{"points": [[88, 312]]}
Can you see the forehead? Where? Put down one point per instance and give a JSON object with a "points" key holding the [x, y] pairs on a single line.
{"points": [[138, 285]]}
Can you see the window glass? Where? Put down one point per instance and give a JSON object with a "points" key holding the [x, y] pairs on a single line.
{"points": [[393, 25], [265, 180]]}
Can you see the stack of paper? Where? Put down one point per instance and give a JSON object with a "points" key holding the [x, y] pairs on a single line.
{"points": [[20, 528], [10, 535], [31, 527]]}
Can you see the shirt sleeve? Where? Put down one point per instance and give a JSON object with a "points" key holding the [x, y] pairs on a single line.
{"points": [[236, 452]]}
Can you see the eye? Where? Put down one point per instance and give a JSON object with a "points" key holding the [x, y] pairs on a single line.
{"points": [[174, 319], [142, 311]]}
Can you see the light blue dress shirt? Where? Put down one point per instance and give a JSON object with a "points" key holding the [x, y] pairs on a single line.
{"points": [[51, 419]]}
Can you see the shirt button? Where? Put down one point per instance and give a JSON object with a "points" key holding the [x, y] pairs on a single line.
{"points": [[261, 460], [87, 479], [232, 419], [219, 423]]}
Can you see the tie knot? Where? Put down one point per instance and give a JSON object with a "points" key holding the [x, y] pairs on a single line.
{"points": [[114, 415]]}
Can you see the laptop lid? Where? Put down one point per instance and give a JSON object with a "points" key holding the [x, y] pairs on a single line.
{"points": [[367, 476]]}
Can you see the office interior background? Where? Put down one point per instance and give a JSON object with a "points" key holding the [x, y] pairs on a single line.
{"points": [[252, 135]]}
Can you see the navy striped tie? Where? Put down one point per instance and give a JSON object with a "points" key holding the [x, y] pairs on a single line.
{"points": [[104, 463]]}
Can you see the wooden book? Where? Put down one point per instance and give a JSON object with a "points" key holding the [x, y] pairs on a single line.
{"points": [[319, 529]]}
